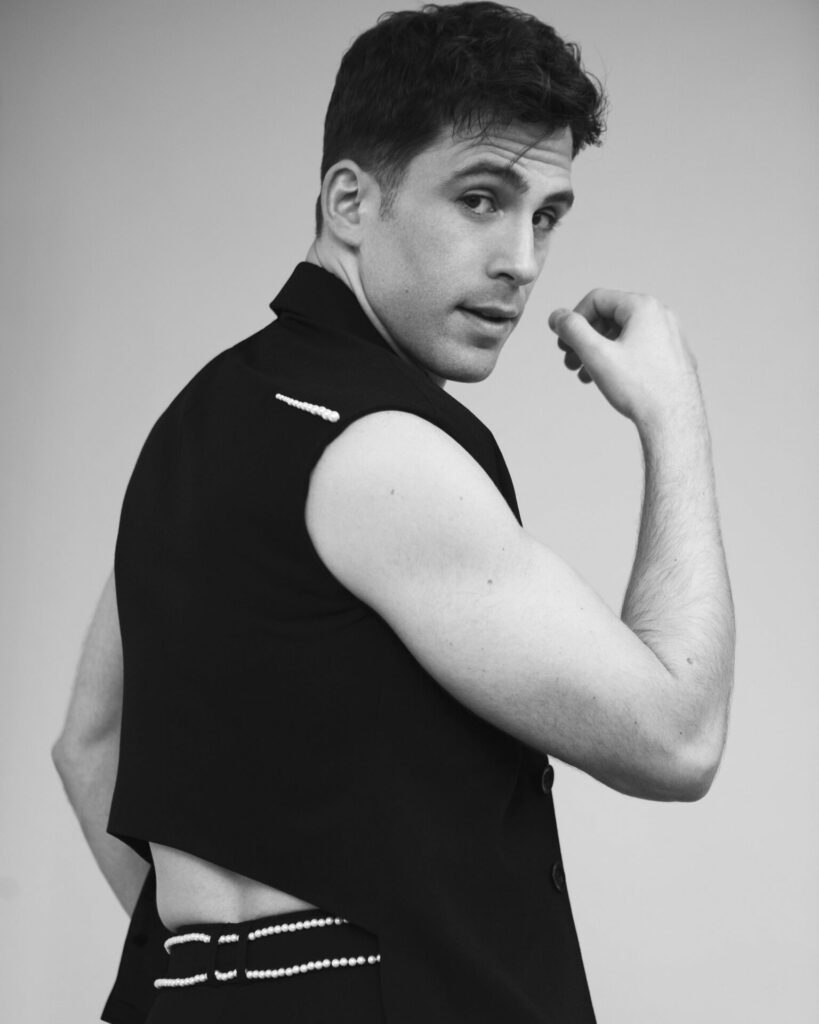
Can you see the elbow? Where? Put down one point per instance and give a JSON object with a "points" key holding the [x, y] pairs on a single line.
{"points": [[83, 742], [676, 760], [675, 769], [64, 763], [58, 753], [62, 756], [695, 782], [668, 774], [81, 764], [692, 747], [692, 768], [678, 779], [71, 754]]}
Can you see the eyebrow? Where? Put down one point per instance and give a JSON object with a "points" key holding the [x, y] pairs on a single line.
{"points": [[508, 174]]}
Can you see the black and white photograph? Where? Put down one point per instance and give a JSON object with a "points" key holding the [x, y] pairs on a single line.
{"points": [[408, 438]]}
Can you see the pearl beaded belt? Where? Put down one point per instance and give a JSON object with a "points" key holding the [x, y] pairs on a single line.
{"points": [[266, 949]]}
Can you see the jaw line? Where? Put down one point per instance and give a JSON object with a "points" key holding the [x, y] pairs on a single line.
{"points": [[334, 262]]}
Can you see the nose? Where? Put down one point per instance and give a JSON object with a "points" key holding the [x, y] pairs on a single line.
{"points": [[516, 256]]}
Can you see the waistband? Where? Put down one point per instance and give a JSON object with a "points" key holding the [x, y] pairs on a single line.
{"points": [[265, 949]]}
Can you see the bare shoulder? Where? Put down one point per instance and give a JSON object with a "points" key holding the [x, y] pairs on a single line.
{"points": [[392, 488]]}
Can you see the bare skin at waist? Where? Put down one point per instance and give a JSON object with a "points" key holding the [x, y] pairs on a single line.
{"points": [[190, 890]]}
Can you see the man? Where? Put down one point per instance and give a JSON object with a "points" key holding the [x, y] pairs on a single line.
{"points": [[345, 662]]}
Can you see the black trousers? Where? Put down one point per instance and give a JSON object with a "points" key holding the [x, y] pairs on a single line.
{"points": [[324, 973]]}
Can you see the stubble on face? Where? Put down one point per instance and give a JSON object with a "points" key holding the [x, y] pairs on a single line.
{"points": [[464, 231]]}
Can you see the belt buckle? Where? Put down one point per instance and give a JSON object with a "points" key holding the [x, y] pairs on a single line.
{"points": [[235, 969]]}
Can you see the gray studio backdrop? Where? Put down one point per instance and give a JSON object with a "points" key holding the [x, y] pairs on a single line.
{"points": [[159, 168]]}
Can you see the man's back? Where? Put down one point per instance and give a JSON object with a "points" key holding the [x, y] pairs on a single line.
{"points": [[342, 773]]}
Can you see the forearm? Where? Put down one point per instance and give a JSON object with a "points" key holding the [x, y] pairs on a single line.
{"points": [[88, 775], [678, 599]]}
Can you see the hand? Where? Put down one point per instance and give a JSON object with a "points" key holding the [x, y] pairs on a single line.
{"points": [[632, 347]]}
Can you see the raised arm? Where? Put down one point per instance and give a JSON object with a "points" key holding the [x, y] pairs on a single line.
{"points": [[406, 520], [87, 750]]}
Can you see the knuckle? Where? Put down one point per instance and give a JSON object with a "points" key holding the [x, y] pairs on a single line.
{"points": [[589, 300], [647, 305]]}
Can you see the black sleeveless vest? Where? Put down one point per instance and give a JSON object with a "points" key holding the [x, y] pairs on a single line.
{"points": [[275, 725]]}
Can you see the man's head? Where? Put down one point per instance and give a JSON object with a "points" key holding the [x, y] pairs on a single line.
{"points": [[421, 99]]}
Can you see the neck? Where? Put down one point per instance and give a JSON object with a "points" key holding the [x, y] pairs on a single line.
{"points": [[343, 265]]}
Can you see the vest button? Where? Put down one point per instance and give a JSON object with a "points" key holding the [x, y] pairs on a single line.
{"points": [[558, 877], [547, 779]]}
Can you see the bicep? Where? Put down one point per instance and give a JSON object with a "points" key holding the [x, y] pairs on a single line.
{"points": [[95, 707], [412, 525]]}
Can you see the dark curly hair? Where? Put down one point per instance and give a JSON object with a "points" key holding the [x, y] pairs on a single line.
{"points": [[475, 66]]}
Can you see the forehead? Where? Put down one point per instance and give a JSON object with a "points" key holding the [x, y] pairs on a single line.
{"points": [[537, 158]]}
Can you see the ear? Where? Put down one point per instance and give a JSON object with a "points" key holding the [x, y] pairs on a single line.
{"points": [[349, 196]]}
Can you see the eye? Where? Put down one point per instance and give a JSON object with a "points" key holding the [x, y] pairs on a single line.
{"points": [[547, 220], [478, 203]]}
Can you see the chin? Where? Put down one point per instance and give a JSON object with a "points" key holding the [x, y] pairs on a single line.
{"points": [[471, 371], [470, 377]]}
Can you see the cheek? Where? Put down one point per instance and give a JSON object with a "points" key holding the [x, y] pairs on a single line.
{"points": [[420, 264], [411, 264], [428, 232]]}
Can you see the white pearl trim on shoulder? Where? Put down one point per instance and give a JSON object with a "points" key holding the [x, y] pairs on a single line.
{"points": [[316, 410]]}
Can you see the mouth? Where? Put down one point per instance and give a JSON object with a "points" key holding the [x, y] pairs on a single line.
{"points": [[491, 318]]}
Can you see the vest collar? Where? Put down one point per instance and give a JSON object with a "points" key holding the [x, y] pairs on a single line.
{"points": [[314, 294]]}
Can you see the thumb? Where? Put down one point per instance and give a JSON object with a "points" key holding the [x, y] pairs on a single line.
{"points": [[576, 331], [588, 350]]}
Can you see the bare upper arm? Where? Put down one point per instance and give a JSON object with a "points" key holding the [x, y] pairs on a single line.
{"points": [[95, 707], [411, 524]]}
